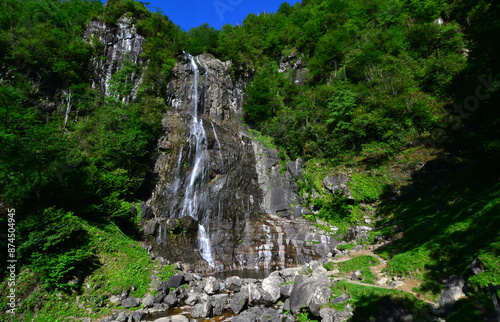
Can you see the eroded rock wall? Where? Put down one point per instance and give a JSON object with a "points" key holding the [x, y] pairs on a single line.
{"points": [[252, 210], [114, 44]]}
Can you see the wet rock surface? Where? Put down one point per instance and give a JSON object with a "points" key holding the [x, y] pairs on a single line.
{"points": [[248, 206]]}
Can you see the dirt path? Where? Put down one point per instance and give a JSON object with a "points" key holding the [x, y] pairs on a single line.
{"points": [[408, 284]]}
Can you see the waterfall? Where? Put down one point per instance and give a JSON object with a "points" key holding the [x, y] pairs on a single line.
{"points": [[195, 197], [218, 144]]}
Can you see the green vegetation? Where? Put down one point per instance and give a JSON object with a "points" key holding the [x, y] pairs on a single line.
{"points": [[346, 246], [361, 263], [446, 230], [403, 105], [368, 302]]}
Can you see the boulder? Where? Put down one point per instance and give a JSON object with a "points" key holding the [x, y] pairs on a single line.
{"points": [[248, 316], [327, 315], [476, 267], [122, 317], [269, 315], [160, 296], [163, 287], [148, 301], [321, 296], [356, 275], [453, 291], [217, 306], [286, 290], [304, 293], [254, 294], [202, 310], [272, 285], [130, 302], [191, 300], [238, 302], [171, 300], [341, 299], [135, 316], [212, 286], [286, 305], [178, 318], [175, 280], [222, 298], [343, 316]]}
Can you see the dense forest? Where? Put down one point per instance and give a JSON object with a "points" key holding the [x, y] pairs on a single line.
{"points": [[386, 86]]}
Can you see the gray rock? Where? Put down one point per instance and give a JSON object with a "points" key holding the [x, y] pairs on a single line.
{"points": [[223, 298], [202, 310], [272, 285], [171, 300], [295, 168], [122, 317], [248, 316], [191, 300], [178, 318], [286, 290], [327, 315], [254, 294], [356, 275], [238, 302], [212, 285], [321, 296], [160, 296], [476, 267], [148, 300], [135, 316], [341, 299], [181, 292], [286, 305], [130, 302], [304, 293], [396, 284], [217, 306], [338, 183], [162, 287], [117, 43], [269, 315], [175, 280], [453, 291], [344, 316]]}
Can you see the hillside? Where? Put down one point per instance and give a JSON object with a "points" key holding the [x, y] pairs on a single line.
{"points": [[399, 98]]}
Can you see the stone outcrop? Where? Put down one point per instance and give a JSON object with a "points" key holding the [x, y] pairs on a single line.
{"points": [[114, 44], [250, 208], [220, 97]]}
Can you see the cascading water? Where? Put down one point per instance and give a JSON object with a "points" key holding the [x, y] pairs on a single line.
{"points": [[195, 197]]}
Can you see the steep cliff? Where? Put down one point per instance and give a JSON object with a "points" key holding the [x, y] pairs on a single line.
{"points": [[242, 197], [114, 44]]}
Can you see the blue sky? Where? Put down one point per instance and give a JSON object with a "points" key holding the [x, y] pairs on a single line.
{"points": [[192, 13]]}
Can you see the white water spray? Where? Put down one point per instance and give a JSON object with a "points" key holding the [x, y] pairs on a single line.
{"points": [[196, 199]]}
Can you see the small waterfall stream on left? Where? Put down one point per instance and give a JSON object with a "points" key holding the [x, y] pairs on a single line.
{"points": [[195, 198]]}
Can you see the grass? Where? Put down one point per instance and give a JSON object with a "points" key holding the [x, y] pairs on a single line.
{"points": [[122, 262], [345, 246], [448, 218], [361, 263], [371, 303]]}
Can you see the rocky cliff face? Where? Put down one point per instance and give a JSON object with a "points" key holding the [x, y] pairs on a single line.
{"points": [[220, 97], [221, 200], [251, 210], [114, 45]]}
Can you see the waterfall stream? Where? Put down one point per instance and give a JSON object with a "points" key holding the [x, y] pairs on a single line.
{"points": [[195, 198]]}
